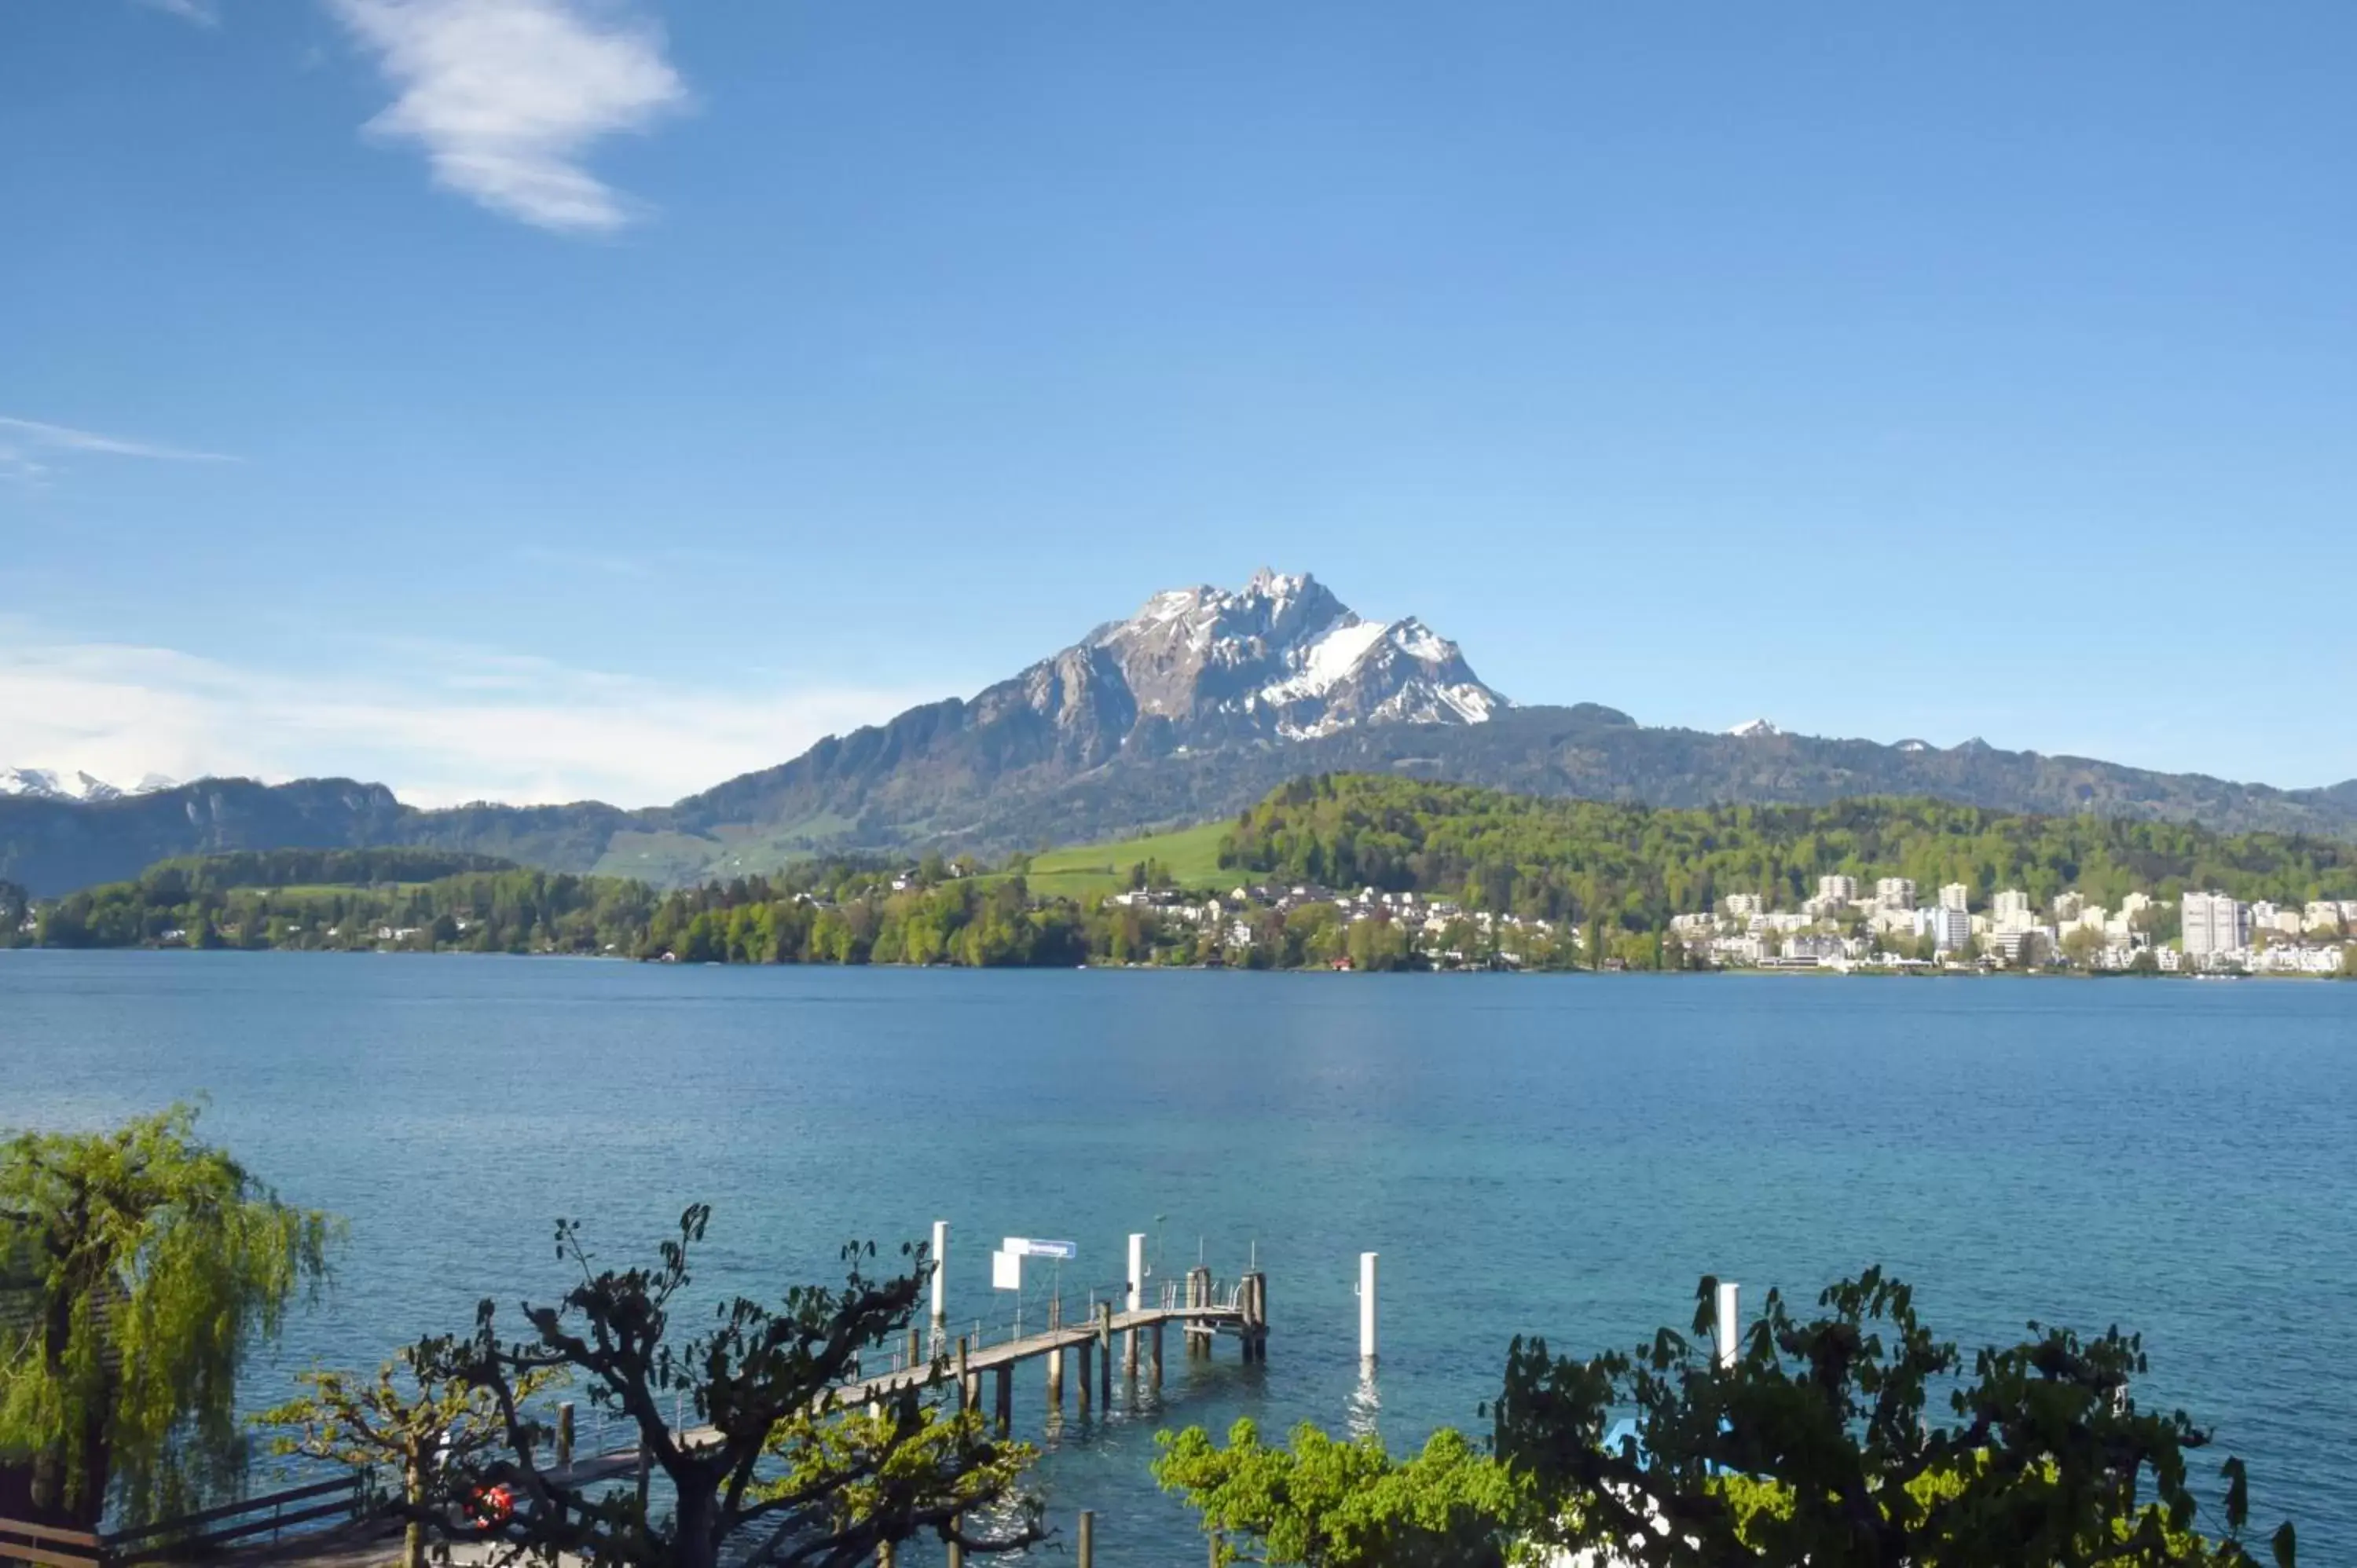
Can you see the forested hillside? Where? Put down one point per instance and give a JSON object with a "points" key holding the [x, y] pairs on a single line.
{"points": [[1541, 866], [942, 778], [293, 900], [1566, 859], [311, 867]]}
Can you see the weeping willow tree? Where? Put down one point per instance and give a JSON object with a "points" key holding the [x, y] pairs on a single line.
{"points": [[138, 1266]]}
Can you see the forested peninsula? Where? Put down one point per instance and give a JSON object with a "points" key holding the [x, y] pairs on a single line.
{"points": [[1357, 871]]}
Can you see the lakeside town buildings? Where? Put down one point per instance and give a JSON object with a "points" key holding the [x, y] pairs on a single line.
{"points": [[1844, 925]]}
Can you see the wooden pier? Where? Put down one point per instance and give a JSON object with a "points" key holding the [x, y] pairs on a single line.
{"points": [[1202, 1315], [1203, 1309]]}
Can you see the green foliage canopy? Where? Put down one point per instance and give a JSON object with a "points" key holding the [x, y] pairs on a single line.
{"points": [[1330, 1504], [1635, 866], [2048, 1462], [411, 1417], [1816, 1444], [202, 904], [155, 1263]]}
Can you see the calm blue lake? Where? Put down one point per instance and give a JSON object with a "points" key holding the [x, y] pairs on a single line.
{"points": [[1563, 1155]]}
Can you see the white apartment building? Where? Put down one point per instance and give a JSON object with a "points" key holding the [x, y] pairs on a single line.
{"points": [[2011, 909], [2068, 907], [1886, 920], [1895, 892], [1836, 890], [1951, 927], [1955, 896], [2214, 923], [1740, 905]]}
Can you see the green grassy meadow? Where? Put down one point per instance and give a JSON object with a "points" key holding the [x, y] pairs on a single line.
{"points": [[1086, 871]]}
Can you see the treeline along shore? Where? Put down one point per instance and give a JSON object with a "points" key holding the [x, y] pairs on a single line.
{"points": [[1353, 871]]}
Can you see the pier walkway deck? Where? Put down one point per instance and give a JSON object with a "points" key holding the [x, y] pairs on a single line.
{"points": [[1203, 1310]]}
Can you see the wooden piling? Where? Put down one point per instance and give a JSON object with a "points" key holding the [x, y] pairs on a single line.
{"points": [[957, 1547], [1252, 1300], [1056, 1381], [564, 1436], [1105, 1356], [916, 1356], [1005, 1399], [1154, 1357], [1199, 1295], [1088, 1545], [1082, 1350], [969, 1383]]}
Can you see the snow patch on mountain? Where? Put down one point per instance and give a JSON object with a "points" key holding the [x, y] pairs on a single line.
{"points": [[1754, 729], [1328, 662], [52, 784], [49, 784]]}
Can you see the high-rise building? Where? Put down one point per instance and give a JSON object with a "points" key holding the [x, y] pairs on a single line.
{"points": [[2011, 908], [1954, 896], [2214, 923], [1836, 890], [1741, 904], [1951, 927], [2066, 908], [1895, 892]]}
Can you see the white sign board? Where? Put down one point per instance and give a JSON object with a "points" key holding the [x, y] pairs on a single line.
{"points": [[1006, 1271], [1024, 1246]]}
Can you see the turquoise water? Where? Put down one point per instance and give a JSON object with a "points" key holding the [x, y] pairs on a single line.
{"points": [[1565, 1155]]}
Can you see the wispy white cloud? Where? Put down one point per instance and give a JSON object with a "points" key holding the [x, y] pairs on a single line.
{"points": [[199, 12], [508, 96], [37, 433], [441, 725], [31, 450]]}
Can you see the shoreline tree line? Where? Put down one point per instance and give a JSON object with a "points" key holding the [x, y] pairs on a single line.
{"points": [[1614, 874]]}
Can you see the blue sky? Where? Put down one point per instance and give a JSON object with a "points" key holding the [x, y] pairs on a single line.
{"points": [[543, 398]]}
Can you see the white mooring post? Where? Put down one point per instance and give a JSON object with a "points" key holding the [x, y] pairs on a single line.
{"points": [[1728, 1324], [1367, 1307], [941, 1276], [1137, 1300]]}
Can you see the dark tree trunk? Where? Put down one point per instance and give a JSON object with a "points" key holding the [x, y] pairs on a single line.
{"points": [[51, 1494], [697, 1543], [38, 1492]]}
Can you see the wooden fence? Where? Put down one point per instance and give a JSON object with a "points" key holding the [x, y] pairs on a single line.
{"points": [[189, 1536]]}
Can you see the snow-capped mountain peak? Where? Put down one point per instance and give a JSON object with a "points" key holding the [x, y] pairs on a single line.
{"points": [[54, 784], [1279, 658], [50, 784], [1283, 653]]}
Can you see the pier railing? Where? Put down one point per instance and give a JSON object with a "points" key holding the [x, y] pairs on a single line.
{"points": [[1074, 1309], [296, 1509]]}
